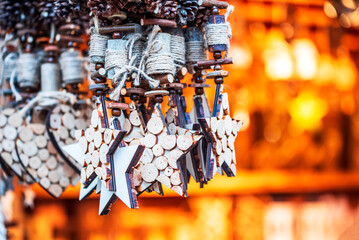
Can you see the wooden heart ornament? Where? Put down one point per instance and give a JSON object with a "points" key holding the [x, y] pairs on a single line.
{"points": [[10, 125], [61, 125], [41, 160]]}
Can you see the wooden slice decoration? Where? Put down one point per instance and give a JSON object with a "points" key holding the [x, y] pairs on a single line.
{"points": [[8, 134], [67, 121], [167, 150], [221, 132]]}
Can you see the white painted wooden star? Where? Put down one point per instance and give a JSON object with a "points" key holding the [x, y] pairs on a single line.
{"points": [[125, 159], [221, 132]]}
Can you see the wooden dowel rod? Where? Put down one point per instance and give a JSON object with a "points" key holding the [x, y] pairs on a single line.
{"points": [[99, 74], [214, 3], [159, 22], [209, 63], [122, 28]]}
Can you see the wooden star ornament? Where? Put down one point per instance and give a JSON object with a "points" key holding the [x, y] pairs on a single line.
{"points": [[164, 155], [221, 131]]}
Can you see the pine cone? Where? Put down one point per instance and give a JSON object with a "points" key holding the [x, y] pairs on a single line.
{"points": [[17, 13], [134, 6], [47, 11], [187, 10], [97, 7], [153, 6], [80, 7], [201, 17], [162, 8], [63, 8]]}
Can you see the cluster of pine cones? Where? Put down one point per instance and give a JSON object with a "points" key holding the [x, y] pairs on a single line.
{"points": [[28, 13]]}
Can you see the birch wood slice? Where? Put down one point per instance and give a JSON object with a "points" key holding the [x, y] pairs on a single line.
{"points": [[218, 147], [168, 171], [55, 121], [155, 125], [68, 120], [3, 120], [91, 147], [15, 120], [45, 182], [173, 157], [8, 111], [37, 128], [83, 144], [184, 142], [228, 125], [231, 142], [43, 154], [147, 156], [34, 162], [221, 129], [172, 129], [214, 124], [158, 150], [56, 190], [94, 118], [137, 178], [150, 140], [10, 132], [168, 142], [8, 145], [228, 156], [64, 108], [176, 178], [107, 136], [89, 134], [135, 118], [149, 172], [127, 126], [161, 162], [178, 190], [224, 142], [41, 141], [170, 116], [164, 180], [97, 139], [83, 176], [42, 171], [103, 152], [63, 132]]}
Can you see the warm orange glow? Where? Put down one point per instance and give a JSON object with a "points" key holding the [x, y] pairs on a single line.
{"points": [[305, 54], [307, 111], [277, 59]]}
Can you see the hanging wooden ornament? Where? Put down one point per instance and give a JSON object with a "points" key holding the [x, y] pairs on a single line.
{"points": [[61, 125], [221, 132], [163, 157], [11, 123], [38, 155]]}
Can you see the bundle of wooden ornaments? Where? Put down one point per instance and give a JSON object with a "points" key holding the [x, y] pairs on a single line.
{"points": [[130, 141]]}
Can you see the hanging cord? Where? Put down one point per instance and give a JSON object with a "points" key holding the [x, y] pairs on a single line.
{"points": [[27, 71], [14, 91], [45, 96], [98, 46], [220, 33], [135, 46], [161, 61], [71, 64], [140, 69], [178, 50], [196, 51]]}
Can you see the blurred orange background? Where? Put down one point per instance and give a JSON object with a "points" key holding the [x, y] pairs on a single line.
{"points": [[293, 84]]}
